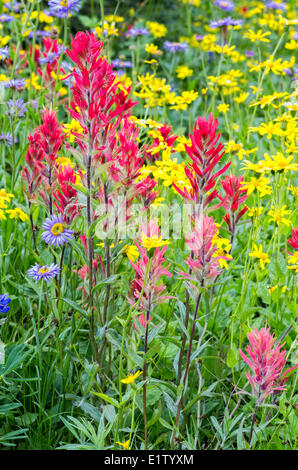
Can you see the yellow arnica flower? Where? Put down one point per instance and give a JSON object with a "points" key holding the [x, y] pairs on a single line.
{"points": [[255, 211], [73, 126], [260, 184], [223, 107], [153, 242], [260, 255], [131, 378], [259, 36], [183, 72], [131, 252], [152, 49], [17, 213], [277, 215], [293, 260], [125, 445]]}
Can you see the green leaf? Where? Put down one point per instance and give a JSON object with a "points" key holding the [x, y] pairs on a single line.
{"points": [[231, 358], [107, 399]]}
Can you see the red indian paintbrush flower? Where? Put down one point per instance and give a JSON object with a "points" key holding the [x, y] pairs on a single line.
{"points": [[233, 198], [266, 361], [65, 197], [294, 240], [205, 152]]}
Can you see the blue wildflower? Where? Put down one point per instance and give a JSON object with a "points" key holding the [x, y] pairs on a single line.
{"points": [[4, 303], [64, 8]]}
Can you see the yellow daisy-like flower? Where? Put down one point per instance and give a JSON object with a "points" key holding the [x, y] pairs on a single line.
{"points": [[293, 262], [183, 72], [125, 445], [73, 126], [131, 378], [153, 242], [277, 215], [259, 36], [17, 213], [131, 252], [223, 108], [152, 49], [260, 255], [255, 211], [260, 184]]}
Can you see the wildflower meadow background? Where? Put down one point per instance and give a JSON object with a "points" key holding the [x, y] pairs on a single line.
{"points": [[148, 224]]}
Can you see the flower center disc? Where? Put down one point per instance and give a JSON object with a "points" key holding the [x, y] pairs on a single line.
{"points": [[57, 229], [43, 270]]}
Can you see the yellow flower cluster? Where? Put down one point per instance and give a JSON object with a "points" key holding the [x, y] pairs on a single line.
{"points": [[15, 213], [168, 171]]}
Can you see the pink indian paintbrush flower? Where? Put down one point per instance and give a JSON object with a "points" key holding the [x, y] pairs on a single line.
{"points": [[205, 152], [153, 286], [203, 262], [266, 360]]}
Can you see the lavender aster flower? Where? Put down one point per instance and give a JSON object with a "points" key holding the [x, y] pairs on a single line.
{"points": [[134, 31], [226, 5], [121, 63], [225, 22], [4, 53], [16, 108], [16, 84], [7, 138], [275, 5], [4, 303], [39, 34], [64, 8], [55, 232], [15, 6], [175, 46], [4, 18], [43, 272]]}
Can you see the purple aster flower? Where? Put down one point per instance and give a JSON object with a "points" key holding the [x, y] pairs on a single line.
{"points": [[7, 138], [64, 8], [16, 108], [55, 232], [4, 303], [4, 18], [225, 22], [50, 58], [275, 5], [16, 84], [15, 6], [226, 5], [295, 36], [137, 32], [39, 34], [175, 46], [249, 53], [126, 64], [43, 272], [4, 53]]}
